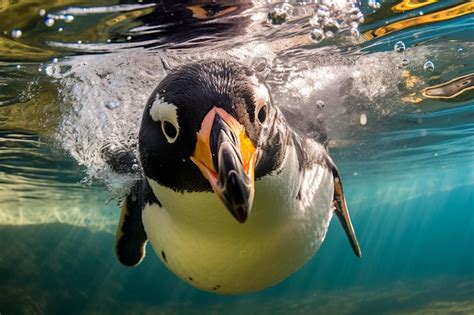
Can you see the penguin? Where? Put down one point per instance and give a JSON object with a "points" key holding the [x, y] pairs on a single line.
{"points": [[233, 199]]}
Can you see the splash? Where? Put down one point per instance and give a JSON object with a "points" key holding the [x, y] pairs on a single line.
{"points": [[104, 98]]}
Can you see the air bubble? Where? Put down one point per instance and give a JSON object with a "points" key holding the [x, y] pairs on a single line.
{"points": [[18, 66], [55, 60], [355, 33], [86, 181], [68, 18], [314, 21], [331, 25], [329, 34], [374, 4], [113, 104], [429, 66], [316, 36], [323, 11], [42, 12], [16, 33], [79, 41], [129, 37], [280, 15], [363, 119], [353, 10], [259, 64], [109, 40], [60, 29], [288, 8], [399, 46], [320, 104], [49, 22]]}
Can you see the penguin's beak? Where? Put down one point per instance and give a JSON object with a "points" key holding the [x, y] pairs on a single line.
{"points": [[226, 157]]}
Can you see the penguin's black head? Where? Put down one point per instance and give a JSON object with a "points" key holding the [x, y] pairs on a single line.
{"points": [[204, 128]]}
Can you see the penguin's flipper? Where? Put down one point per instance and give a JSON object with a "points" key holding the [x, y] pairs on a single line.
{"points": [[130, 237], [342, 212], [120, 158]]}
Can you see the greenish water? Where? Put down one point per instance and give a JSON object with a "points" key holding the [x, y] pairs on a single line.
{"points": [[408, 172]]}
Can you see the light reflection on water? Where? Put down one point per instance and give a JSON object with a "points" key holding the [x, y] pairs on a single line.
{"points": [[38, 186], [408, 171]]}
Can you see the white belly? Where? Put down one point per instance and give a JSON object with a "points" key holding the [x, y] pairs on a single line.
{"points": [[198, 239]]}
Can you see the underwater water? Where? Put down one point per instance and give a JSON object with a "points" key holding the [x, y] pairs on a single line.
{"points": [[391, 82]]}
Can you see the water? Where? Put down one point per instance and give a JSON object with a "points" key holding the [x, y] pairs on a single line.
{"points": [[74, 77]]}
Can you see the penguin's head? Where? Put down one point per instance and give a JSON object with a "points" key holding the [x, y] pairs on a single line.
{"points": [[205, 128]]}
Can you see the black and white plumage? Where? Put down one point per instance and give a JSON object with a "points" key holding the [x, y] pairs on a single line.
{"points": [[233, 200]]}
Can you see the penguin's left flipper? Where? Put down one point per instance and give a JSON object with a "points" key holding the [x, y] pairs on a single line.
{"points": [[130, 237], [342, 212]]}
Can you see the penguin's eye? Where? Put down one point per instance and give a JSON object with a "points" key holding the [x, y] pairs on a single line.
{"points": [[165, 114], [169, 130], [262, 114]]}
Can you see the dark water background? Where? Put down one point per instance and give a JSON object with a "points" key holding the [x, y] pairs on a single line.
{"points": [[408, 172]]}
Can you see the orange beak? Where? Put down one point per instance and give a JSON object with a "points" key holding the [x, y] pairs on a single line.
{"points": [[226, 158]]}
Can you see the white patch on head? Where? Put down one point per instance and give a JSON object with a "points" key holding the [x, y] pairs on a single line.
{"points": [[165, 112]]}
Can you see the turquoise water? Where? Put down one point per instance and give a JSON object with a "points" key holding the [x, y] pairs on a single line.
{"points": [[408, 172]]}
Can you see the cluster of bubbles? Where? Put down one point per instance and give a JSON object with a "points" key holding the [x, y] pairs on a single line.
{"points": [[280, 14], [49, 21], [16, 33], [374, 4], [400, 47], [327, 20], [326, 17]]}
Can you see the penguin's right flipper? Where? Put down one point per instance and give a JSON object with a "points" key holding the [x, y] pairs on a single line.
{"points": [[341, 210], [130, 237]]}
